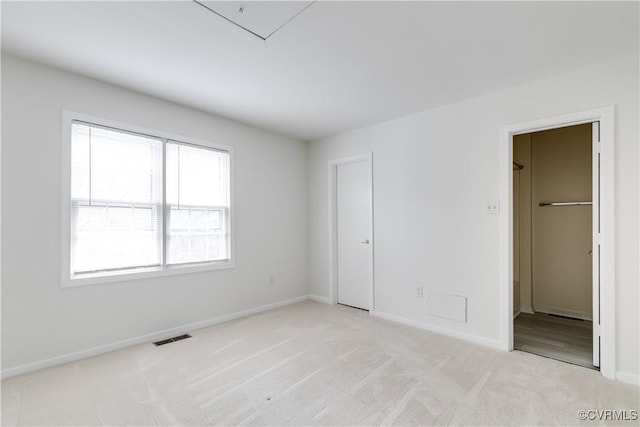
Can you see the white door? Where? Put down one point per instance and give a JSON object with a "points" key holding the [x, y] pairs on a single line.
{"points": [[353, 227], [596, 242]]}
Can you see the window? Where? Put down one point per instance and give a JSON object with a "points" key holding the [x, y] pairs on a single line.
{"points": [[141, 203], [197, 204]]}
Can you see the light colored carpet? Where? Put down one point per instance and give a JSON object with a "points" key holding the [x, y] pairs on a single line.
{"points": [[311, 364]]}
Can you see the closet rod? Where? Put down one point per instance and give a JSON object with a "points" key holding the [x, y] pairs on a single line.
{"points": [[564, 203]]}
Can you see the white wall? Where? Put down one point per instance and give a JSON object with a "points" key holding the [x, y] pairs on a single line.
{"points": [[433, 172], [39, 319]]}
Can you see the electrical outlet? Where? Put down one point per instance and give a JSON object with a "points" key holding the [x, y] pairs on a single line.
{"points": [[492, 207], [270, 282], [419, 292]]}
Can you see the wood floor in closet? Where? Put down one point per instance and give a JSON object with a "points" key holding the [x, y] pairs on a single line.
{"points": [[560, 338]]}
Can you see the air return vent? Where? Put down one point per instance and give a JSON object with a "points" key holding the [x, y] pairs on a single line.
{"points": [[168, 340]]}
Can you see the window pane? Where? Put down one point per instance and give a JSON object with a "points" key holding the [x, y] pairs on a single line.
{"points": [[197, 176], [196, 235], [80, 160], [116, 186], [109, 237], [198, 198], [115, 166]]}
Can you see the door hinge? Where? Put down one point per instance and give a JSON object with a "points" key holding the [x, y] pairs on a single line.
{"points": [[597, 239], [596, 329], [598, 146]]}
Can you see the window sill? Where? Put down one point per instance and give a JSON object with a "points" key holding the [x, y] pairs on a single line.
{"points": [[68, 282]]}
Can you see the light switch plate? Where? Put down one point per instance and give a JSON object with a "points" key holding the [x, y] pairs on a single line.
{"points": [[492, 207]]}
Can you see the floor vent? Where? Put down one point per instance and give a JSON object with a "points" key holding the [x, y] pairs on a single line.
{"points": [[168, 340]]}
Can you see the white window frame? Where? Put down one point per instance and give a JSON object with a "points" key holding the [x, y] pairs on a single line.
{"points": [[67, 279]]}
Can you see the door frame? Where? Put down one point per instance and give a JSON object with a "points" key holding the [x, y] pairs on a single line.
{"points": [[606, 117], [333, 226]]}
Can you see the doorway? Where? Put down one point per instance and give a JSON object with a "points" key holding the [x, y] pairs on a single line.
{"points": [[351, 225], [554, 214], [604, 239]]}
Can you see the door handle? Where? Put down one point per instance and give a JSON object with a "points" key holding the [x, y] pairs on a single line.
{"points": [[365, 242]]}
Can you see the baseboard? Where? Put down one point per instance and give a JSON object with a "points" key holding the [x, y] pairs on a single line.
{"points": [[564, 312], [156, 336], [526, 309], [438, 329], [628, 378], [317, 298]]}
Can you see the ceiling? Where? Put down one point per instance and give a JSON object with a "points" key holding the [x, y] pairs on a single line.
{"points": [[334, 67], [260, 18]]}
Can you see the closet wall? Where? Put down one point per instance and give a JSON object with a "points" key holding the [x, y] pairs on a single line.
{"points": [[522, 155], [558, 240], [516, 240]]}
